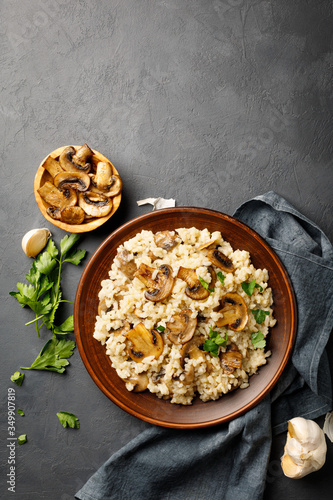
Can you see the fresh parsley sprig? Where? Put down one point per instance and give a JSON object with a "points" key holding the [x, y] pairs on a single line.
{"points": [[206, 285], [259, 315], [258, 340], [43, 294], [54, 356], [69, 419], [214, 342], [221, 277]]}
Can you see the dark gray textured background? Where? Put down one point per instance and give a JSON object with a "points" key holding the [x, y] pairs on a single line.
{"points": [[207, 102]]}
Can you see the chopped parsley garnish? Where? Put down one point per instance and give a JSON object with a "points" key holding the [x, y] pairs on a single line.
{"points": [[20, 412], [69, 419], [160, 328], [259, 315], [249, 287], [205, 285], [221, 277], [214, 342], [258, 340], [17, 378], [22, 439]]}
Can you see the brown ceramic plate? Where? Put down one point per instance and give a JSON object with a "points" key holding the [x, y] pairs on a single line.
{"points": [[145, 405], [43, 176]]}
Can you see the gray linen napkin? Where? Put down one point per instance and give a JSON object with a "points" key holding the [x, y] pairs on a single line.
{"points": [[230, 461]]}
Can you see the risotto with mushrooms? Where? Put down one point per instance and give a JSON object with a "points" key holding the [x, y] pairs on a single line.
{"points": [[184, 314]]}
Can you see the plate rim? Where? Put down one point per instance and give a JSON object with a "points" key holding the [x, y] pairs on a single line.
{"points": [[230, 416]]}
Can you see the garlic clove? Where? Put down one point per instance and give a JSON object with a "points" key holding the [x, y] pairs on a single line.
{"points": [[305, 448], [34, 241], [328, 426]]}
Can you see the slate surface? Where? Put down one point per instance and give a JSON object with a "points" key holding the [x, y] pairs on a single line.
{"points": [[209, 103]]}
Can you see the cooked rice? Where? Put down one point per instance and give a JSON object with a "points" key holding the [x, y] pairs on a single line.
{"points": [[124, 303]]}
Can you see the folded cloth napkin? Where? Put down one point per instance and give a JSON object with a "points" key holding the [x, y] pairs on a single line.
{"points": [[230, 460]]}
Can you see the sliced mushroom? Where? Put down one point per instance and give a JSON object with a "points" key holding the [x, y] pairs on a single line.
{"points": [[102, 307], [234, 312], [54, 212], [231, 359], [182, 327], [194, 288], [159, 282], [95, 204], [52, 166], [191, 350], [143, 343], [127, 264], [157, 376], [105, 181], [165, 239], [207, 244], [75, 180], [220, 260], [139, 380], [188, 372], [72, 215], [73, 161], [56, 198]]}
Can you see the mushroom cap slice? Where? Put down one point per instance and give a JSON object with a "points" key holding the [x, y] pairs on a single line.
{"points": [[114, 188], [126, 263], [56, 198], [231, 359], [54, 212], [220, 260], [182, 327], [143, 343], [75, 180], [159, 286], [165, 239], [73, 161], [139, 380], [191, 350], [72, 215], [94, 204], [234, 312], [194, 288]]}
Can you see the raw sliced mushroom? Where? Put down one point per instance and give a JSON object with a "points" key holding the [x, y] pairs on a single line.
{"points": [[95, 204], [158, 281], [165, 239], [139, 380], [127, 264], [231, 359], [52, 166], [143, 343], [191, 350], [234, 312], [194, 288], [72, 215], [56, 198], [73, 161], [220, 260], [182, 327], [75, 180]]}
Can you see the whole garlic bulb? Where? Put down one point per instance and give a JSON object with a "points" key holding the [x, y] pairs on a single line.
{"points": [[34, 241], [305, 449]]}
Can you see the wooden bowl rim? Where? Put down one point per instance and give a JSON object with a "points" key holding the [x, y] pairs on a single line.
{"points": [[72, 228], [225, 418]]}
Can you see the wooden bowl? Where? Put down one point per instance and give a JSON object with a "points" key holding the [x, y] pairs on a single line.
{"points": [[145, 405], [43, 176]]}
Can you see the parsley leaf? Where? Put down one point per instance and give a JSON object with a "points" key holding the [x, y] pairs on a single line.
{"points": [[69, 419], [20, 412], [160, 328], [214, 342], [17, 378], [205, 285], [259, 315], [258, 340], [53, 356], [22, 439], [66, 327], [221, 277], [249, 287]]}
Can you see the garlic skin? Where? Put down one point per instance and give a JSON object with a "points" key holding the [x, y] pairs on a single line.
{"points": [[34, 241], [328, 426], [305, 449]]}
